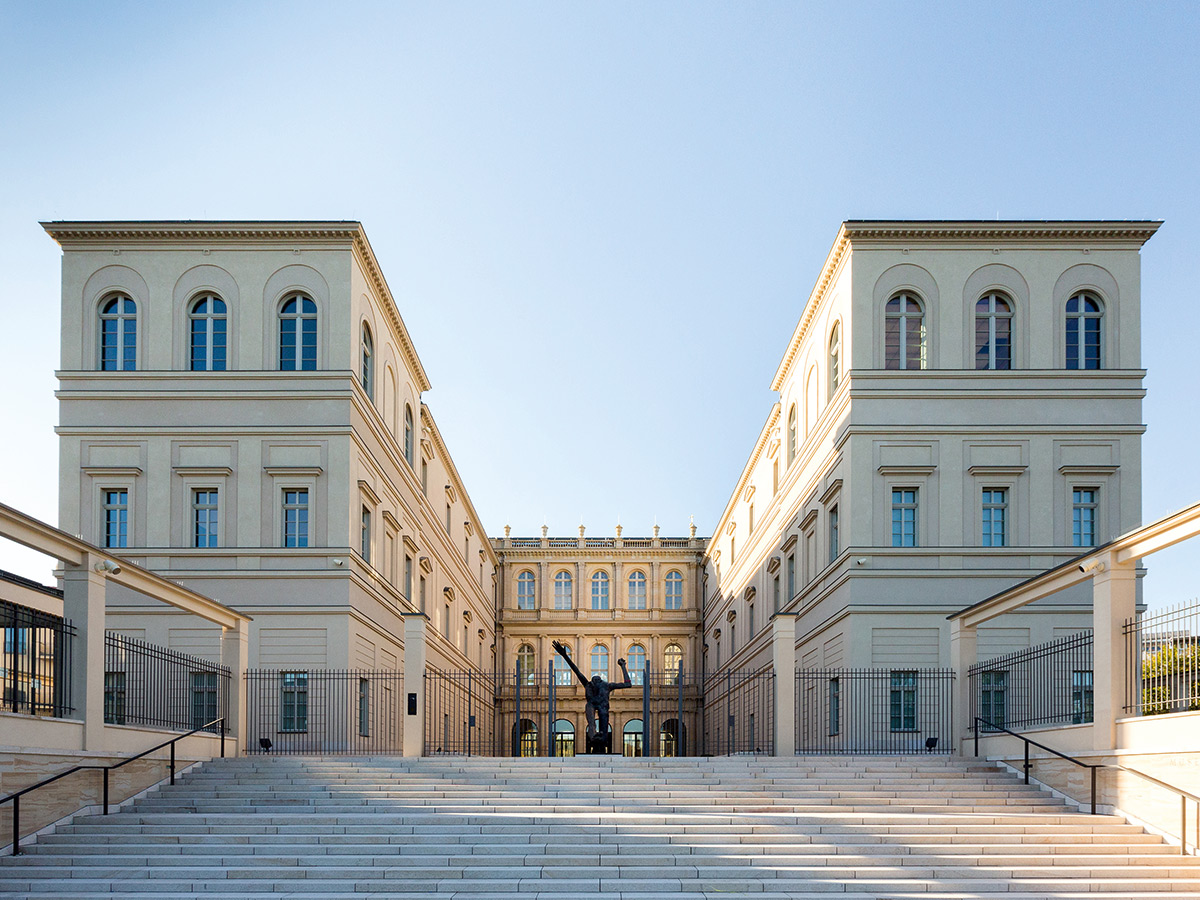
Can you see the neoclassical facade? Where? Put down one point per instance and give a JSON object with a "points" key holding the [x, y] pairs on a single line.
{"points": [[959, 410]]}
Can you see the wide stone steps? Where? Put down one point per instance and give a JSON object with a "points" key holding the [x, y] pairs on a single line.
{"points": [[858, 828]]}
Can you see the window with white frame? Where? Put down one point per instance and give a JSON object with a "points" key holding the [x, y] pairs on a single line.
{"points": [[904, 517], [208, 334], [995, 517], [993, 697], [408, 576], [672, 661], [600, 591], [1084, 503], [835, 359], [204, 698], [204, 517], [116, 518], [791, 435], [368, 363], [904, 333], [526, 664], [993, 332], [1084, 337], [298, 334], [526, 590], [295, 517], [409, 437], [562, 590], [365, 535], [118, 334], [673, 596], [834, 536], [600, 661], [562, 671], [637, 590], [636, 663], [293, 689], [904, 700]]}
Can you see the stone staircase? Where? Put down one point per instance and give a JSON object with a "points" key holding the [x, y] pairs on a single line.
{"points": [[883, 828]]}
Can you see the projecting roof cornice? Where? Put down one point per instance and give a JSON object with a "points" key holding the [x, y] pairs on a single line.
{"points": [[278, 234], [876, 233]]}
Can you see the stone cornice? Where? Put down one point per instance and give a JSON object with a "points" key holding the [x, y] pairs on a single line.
{"points": [[282, 234]]}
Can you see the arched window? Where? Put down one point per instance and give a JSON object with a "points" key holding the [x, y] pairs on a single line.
{"points": [[368, 362], [526, 588], [637, 590], [208, 323], [562, 590], [526, 664], [904, 333], [791, 435], [600, 661], [674, 592], [562, 672], [1085, 316], [672, 737], [993, 332], [118, 334], [564, 738], [631, 744], [525, 736], [298, 334], [672, 660], [835, 359], [635, 660], [408, 434], [600, 591]]}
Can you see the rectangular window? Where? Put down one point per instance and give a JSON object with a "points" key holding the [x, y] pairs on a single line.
{"points": [[447, 518], [425, 477], [446, 622], [293, 714], [1083, 517], [995, 517], [204, 518], [791, 577], [204, 698], [904, 517], [364, 707], [295, 518], [904, 701], [834, 547], [16, 640], [114, 698], [422, 587], [116, 518], [750, 611], [408, 573], [835, 706], [993, 697], [365, 536], [1081, 696], [732, 640], [775, 593]]}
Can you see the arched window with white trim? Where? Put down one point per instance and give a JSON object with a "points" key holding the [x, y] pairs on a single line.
{"points": [[526, 590], [562, 590], [1085, 322], [904, 339], [791, 435], [118, 334], [527, 663], [209, 341], [600, 591], [409, 437], [600, 661], [673, 596], [637, 590], [298, 334], [993, 331], [368, 362], [635, 661], [835, 359]]}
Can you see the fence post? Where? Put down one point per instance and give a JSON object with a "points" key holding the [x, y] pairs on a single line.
{"points": [[16, 843], [550, 724], [783, 656], [414, 683], [646, 711], [517, 744], [679, 748]]}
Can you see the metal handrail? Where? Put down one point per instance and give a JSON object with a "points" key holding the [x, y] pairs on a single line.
{"points": [[15, 797], [1184, 795]]}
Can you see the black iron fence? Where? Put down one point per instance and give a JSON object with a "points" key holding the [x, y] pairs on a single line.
{"points": [[1162, 652], [37, 661], [1050, 684], [149, 685], [460, 713], [324, 711], [739, 713], [874, 710]]}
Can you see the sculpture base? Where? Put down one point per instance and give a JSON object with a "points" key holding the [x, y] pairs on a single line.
{"points": [[600, 743]]}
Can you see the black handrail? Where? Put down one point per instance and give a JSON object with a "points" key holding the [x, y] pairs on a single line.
{"points": [[15, 797], [1184, 796]]}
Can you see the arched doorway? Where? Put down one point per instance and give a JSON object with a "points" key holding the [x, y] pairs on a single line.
{"points": [[527, 742], [672, 738], [564, 738], [631, 745]]}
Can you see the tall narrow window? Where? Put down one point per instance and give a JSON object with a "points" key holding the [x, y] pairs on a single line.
{"points": [[368, 363], [526, 664], [295, 518], [562, 590], [674, 593], [835, 706], [904, 517], [365, 537], [364, 707], [904, 333], [421, 588], [1083, 517], [116, 518], [993, 697], [636, 655], [1085, 315], [562, 672], [526, 587], [408, 574], [834, 536], [118, 335], [775, 593], [600, 661], [600, 591], [298, 334], [1082, 698], [791, 435], [204, 518], [904, 701], [750, 611], [995, 517], [791, 576], [424, 477], [993, 332], [835, 359], [114, 698], [204, 698], [408, 434], [293, 689], [208, 334], [672, 661], [637, 590]]}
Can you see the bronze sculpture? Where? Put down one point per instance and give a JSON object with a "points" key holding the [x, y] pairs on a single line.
{"points": [[596, 690]]}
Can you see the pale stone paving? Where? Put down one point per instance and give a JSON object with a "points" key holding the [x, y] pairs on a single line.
{"points": [[862, 828]]}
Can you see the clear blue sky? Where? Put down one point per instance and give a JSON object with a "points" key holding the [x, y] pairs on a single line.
{"points": [[600, 221]]}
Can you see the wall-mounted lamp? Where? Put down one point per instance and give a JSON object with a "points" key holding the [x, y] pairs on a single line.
{"points": [[861, 561], [107, 565], [339, 562], [1092, 565]]}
